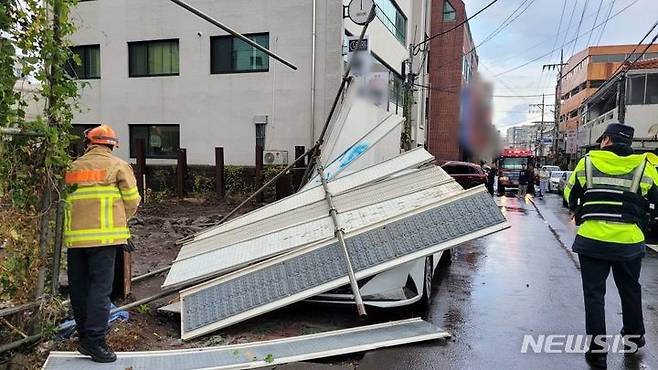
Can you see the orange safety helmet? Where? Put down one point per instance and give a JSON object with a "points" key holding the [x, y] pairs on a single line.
{"points": [[102, 134]]}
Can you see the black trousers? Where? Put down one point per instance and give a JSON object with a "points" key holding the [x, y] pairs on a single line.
{"points": [[91, 275], [594, 272]]}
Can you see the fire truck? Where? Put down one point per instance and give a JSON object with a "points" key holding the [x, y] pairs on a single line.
{"points": [[509, 164]]}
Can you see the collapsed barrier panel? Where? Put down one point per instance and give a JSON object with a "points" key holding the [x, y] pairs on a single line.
{"points": [[260, 354], [304, 273], [411, 159], [310, 224]]}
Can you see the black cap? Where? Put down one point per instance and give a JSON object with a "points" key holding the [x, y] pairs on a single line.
{"points": [[619, 133]]}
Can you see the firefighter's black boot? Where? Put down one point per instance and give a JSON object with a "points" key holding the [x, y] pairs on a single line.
{"points": [[98, 351]]}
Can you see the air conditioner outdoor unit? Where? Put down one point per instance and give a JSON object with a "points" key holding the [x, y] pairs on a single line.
{"points": [[275, 157]]}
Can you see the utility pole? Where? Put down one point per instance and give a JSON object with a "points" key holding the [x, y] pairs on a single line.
{"points": [[558, 99], [409, 80], [542, 108]]}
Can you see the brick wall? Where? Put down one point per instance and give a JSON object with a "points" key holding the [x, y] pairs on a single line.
{"points": [[445, 71]]}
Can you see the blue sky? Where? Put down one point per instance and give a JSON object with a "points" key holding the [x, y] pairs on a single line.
{"points": [[534, 33]]}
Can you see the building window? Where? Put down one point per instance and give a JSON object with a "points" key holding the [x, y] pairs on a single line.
{"points": [[636, 86], [449, 13], [90, 62], [393, 19], [232, 55], [162, 141], [652, 89], [153, 58], [608, 58], [595, 84]]}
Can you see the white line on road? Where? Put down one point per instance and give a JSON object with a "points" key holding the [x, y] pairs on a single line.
{"points": [[654, 247]]}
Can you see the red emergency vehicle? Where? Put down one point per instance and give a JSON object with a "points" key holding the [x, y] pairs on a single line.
{"points": [[509, 165]]}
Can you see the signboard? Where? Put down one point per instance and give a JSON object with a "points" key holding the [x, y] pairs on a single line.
{"points": [[360, 54], [572, 141], [378, 88]]}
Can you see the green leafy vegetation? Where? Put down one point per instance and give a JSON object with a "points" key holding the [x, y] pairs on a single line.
{"points": [[33, 52]]}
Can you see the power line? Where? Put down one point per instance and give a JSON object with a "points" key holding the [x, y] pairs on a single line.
{"points": [[557, 37], [570, 41], [496, 31], [495, 96], [635, 49], [580, 23], [595, 19], [456, 26], [566, 34], [612, 5]]}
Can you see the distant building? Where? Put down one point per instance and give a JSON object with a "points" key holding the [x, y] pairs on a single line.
{"points": [[584, 73], [529, 137], [160, 73], [452, 65], [630, 98]]}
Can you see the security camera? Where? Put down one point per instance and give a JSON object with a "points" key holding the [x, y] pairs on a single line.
{"points": [[199, 34]]}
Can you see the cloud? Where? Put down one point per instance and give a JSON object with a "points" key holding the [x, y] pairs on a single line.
{"points": [[534, 34]]}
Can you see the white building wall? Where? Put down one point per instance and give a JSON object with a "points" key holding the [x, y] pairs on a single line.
{"points": [[218, 110], [212, 110], [388, 48]]}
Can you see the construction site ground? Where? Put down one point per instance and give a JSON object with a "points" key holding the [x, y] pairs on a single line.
{"points": [[155, 231]]}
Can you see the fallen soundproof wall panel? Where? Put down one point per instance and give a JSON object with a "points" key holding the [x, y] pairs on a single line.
{"points": [[412, 159], [354, 198], [223, 260], [261, 354], [358, 150], [301, 274]]}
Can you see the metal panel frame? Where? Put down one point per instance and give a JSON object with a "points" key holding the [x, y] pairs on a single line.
{"points": [[416, 180], [436, 333], [412, 159], [334, 169], [335, 283], [320, 230]]}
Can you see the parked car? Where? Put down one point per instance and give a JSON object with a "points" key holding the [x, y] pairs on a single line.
{"points": [[564, 179], [467, 174], [409, 284], [554, 181], [545, 167], [563, 182]]}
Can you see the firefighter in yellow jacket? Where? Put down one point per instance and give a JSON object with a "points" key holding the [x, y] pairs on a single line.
{"points": [[97, 211]]}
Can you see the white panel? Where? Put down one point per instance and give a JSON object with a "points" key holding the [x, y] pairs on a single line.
{"points": [[410, 159], [229, 258], [358, 149]]}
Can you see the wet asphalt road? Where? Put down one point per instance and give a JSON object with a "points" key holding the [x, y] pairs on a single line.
{"points": [[524, 280]]}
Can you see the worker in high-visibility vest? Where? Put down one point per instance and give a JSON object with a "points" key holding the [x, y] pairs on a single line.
{"points": [[96, 216], [610, 190]]}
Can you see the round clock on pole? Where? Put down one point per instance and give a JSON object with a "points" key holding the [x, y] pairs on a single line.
{"points": [[359, 11]]}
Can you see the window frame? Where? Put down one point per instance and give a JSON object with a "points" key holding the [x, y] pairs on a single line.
{"points": [[86, 49], [130, 75], [131, 149], [630, 90], [386, 21], [454, 11], [233, 38]]}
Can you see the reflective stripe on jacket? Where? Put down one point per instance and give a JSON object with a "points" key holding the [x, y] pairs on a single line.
{"points": [[611, 171], [105, 198]]}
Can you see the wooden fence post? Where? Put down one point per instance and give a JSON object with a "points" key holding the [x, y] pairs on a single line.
{"points": [[140, 160], [181, 172], [283, 186], [220, 188], [299, 169], [259, 172]]}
